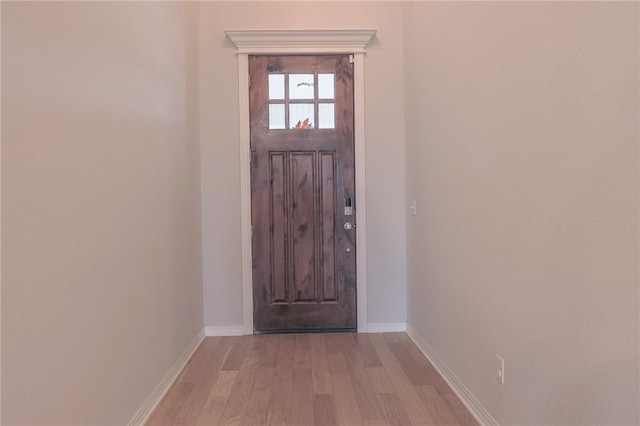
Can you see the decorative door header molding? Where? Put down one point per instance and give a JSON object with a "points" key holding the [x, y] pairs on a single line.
{"points": [[278, 41]]}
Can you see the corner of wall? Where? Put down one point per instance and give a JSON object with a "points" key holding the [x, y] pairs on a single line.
{"points": [[466, 397], [147, 408]]}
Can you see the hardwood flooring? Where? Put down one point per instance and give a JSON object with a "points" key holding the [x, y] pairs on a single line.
{"points": [[310, 379]]}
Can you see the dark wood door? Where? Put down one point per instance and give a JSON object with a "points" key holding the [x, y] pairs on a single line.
{"points": [[302, 193]]}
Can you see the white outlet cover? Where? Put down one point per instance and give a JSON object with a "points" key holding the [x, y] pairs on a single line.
{"points": [[500, 369]]}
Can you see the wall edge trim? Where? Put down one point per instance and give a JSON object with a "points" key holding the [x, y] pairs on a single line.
{"points": [[466, 397], [147, 408]]}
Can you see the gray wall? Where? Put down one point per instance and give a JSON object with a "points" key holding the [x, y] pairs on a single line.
{"points": [[386, 281], [522, 154], [101, 268]]}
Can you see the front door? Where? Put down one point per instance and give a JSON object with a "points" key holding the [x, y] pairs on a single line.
{"points": [[302, 193]]}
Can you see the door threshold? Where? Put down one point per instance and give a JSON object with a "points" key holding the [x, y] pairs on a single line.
{"points": [[307, 330]]}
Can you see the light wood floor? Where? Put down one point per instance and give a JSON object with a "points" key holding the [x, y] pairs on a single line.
{"points": [[310, 379]]}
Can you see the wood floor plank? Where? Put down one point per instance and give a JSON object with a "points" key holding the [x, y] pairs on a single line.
{"points": [[436, 405], [281, 400], [285, 360], [324, 411], [380, 380], [409, 364], [212, 411], [281, 395], [433, 377], [279, 418], [367, 351], [321, 374], [411, 401], [239, 396], [197, 363], [302, 356], [253, 354], [270, 355], [361, 382], [223, 383], [238, 399], [347, 409], [231, 340], [393, 410], [404, 338], [235, 357], [375, 422], [337, 362], [393, 337], [257, 410], [195, 403], [302, 397], [167, 410], [461, 413]]}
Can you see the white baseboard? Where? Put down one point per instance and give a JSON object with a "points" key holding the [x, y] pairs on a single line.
{"points": [[160, 391], [473, 405], [225, 330], [386, 327]]}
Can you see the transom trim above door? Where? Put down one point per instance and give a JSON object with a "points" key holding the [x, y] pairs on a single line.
{"points": [[300, 41]]}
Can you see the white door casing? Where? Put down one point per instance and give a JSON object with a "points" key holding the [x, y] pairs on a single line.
{"points": [[301, 41]]}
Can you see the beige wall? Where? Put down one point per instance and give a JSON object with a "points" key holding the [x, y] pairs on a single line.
{"points": [[101, 266], [522, 154], [386, 283], [521, 124]]}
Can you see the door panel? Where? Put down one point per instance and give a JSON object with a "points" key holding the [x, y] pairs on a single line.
{"points": [[302, 172], [329, 288], [302, 226], [279, 281]]}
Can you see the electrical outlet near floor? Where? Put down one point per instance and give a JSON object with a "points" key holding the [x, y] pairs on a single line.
{"points": [[413, 207], [500, 369]]}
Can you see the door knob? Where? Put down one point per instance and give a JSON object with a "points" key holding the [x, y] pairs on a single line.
{"points": [[348, 226]]}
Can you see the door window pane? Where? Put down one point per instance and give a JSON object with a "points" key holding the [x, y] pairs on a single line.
{"points": [[301, 86], [326, 116], [276, 86], [326, 86], [301, 116], [310, 87], [276, 116]]}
